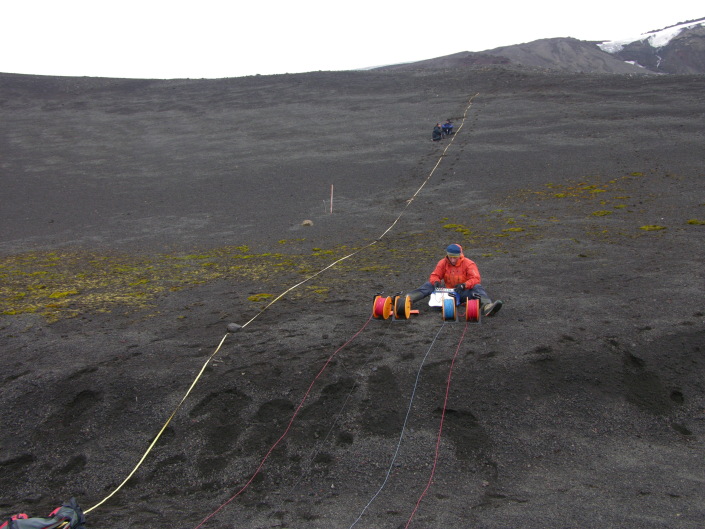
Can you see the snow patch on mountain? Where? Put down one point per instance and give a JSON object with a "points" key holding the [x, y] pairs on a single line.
{"points": [[657, 39]]}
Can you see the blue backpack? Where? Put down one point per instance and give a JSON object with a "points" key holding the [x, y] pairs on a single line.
{"points": [[68, 516]]}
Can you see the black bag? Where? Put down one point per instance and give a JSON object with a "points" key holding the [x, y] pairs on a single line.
{"points": [[68, 516]]}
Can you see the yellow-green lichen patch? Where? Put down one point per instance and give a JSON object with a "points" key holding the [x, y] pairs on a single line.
{"points": [[59, 295], [459, 228], [583, 191], [260, 297], [65, 284], [319, 290]]}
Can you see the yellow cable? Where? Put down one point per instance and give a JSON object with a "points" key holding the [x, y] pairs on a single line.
{"points": [[154, 442], [193, 384], [408, 203]]}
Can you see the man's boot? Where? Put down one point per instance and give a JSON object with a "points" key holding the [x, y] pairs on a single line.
{"points": [[489, 308]]}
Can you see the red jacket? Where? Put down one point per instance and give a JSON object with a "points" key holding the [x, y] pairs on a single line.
{"points": [[464, 271]]}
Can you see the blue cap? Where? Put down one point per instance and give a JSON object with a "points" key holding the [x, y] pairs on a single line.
{"points": [[454, 250]]}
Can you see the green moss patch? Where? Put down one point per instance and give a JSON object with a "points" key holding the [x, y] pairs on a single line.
{"points": [[459, 228], [65, 284], [260, 297]]}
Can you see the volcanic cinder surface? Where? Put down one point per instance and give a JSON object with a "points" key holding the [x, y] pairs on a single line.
{"points": [[140, 218]]}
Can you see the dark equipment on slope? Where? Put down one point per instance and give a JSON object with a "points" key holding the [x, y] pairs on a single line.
{"points": [[68, 516]]}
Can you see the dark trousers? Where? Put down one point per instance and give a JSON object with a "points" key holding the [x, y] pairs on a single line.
{"points": [[476, 292]]}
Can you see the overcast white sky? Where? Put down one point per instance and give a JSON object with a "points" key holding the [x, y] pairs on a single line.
{"points": [[231, 38]]}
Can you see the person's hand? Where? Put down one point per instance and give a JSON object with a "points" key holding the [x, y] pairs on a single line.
{"points": [[439, 284], [459, 288]]}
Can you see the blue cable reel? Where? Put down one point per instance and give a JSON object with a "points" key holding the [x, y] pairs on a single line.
{"points": [[449, 308]]}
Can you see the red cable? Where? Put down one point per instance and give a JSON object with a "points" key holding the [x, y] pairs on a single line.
{"points": [[286, 431], [440, 431]]}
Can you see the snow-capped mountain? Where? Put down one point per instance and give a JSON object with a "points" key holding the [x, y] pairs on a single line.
{"points": [[678, 49], [656, 39]]}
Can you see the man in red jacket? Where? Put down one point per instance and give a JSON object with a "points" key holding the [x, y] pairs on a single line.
{"points": [[461, 274]]}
